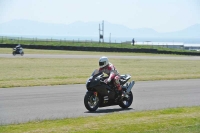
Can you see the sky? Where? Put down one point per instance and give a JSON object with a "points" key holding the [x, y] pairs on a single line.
{"points": [[160, 15]]}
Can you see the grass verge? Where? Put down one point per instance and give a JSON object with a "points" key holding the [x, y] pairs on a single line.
{"points": [[89, 44], [17, 72], [173, 120]]}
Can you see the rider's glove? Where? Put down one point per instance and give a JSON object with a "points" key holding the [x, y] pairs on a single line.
{"points": [[106, 81]]}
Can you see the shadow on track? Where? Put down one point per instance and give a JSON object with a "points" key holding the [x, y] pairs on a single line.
{"points": [[109, 110]]}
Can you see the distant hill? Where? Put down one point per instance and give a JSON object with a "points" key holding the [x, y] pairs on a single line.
{"points": [[27, 27], [190, 32]]}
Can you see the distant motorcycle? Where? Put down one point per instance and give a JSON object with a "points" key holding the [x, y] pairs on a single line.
{"points": [[100, 94], [18, 51]]}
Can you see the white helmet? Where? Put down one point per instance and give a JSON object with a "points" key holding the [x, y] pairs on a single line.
{"points": [[103, 61]]}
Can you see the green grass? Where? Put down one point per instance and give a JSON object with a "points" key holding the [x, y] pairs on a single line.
{"points": [[67, 43], [173, 120], [35, 72], [85, 44]]}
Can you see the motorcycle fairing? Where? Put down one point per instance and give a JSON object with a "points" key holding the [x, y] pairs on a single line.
{"points": [[124, 79]]}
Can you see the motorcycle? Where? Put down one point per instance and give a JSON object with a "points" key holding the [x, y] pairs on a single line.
{"points": [[18, 51], [100, 94]]}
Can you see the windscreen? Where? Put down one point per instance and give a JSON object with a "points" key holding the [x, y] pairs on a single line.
{"points": [[95, 72]]}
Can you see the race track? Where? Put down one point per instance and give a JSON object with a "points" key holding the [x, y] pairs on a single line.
{"points": [[24, 104], [98, 56]]}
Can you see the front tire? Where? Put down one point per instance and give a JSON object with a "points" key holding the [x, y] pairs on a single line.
{"points": [[127, 101], [22, 53], [14, 53], [91, 101]]}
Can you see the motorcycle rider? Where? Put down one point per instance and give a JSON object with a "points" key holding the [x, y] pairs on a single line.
{"points": [[111, 71], [18, 48]]}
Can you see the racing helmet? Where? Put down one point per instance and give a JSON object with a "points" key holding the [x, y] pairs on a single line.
{"points": [[103, 61]]}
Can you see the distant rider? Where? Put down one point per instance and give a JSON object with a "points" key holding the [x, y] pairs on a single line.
{"points": [[111, 71], [18, 48]]}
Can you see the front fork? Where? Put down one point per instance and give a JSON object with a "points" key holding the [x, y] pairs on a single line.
{"points": [[129, 87], [95, 93], [96, 97]]}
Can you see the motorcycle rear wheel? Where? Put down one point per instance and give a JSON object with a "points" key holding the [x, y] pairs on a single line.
{"points": [[126, 102], [91, 102]]}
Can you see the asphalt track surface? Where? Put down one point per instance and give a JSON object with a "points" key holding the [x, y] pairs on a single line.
{"points": [[98, 56], [23, 104]]}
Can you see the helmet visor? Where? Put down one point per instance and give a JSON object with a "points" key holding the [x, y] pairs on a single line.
{"points": [[101, 63]]}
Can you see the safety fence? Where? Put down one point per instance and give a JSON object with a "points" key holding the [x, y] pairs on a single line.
{"points": [[100, 49]]}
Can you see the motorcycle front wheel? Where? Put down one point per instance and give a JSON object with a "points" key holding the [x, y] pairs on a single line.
{"points": [[127, 101], [91, 101], [14, 53], [22, 53]]}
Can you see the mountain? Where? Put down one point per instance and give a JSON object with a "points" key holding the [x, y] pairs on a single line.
{"points": [[190, 32], [27, 27]]}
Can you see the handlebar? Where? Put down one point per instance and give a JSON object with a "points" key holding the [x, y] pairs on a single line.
{"points": [[102, 81]]}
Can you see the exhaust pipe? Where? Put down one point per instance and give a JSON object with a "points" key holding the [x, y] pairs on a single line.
{"points": [[130, 86]]}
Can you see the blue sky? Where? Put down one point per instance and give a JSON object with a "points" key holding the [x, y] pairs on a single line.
{"points": [[160, 15]]}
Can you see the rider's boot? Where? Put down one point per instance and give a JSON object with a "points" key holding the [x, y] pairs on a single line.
{"points": [[120, 94]]}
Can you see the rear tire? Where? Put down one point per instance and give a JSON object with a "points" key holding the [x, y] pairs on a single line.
{"points": [[91, 101], [126, 102], [22, 53]]}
